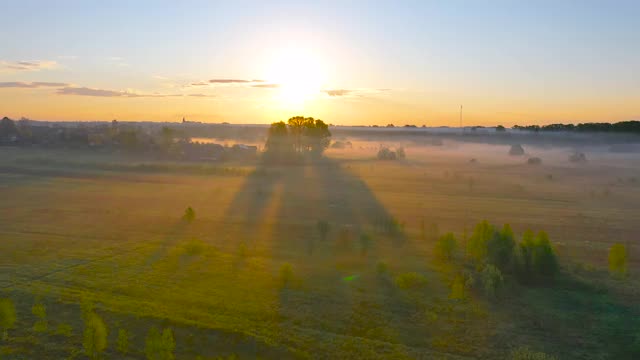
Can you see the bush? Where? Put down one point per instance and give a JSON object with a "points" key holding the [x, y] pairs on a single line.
{"points": [[122, 344], [578, 157], [410, 280], [544, 257], [492, 280], [500, 248], [618, 260], [534, 161], [523, 353], [535, 259], [160, 347], [382, 268], [400, 153], [40, 311], [8, 316], [189, 215], [64, 329], [445, 246], [477, 245], [193, 247], [95, 335], [385, 154], [458, 288]]}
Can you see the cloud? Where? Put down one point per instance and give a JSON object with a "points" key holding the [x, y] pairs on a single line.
{"points": [[232, 81], [31, 85], [85, 91], [267, 86], [201, 95], [337, 92], [360, 92], [15, 66]]}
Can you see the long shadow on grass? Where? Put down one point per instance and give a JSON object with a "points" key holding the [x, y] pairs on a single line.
{"points": [[334, 290], [576, 318]]}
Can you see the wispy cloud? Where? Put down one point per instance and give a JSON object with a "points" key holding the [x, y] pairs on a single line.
{"points": [[85, 91], [201, 95], [337, 92], [360, 92], [36, 65], [233, 81], [266, 86], [31, 85]]}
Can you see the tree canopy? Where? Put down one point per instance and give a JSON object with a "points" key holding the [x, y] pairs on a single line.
{"points": [[298, 137]]}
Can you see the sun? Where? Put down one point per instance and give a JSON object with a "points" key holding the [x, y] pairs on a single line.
{"points": [[299, 74]]}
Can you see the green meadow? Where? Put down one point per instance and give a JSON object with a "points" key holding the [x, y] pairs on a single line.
{"points": [[332, 259]]}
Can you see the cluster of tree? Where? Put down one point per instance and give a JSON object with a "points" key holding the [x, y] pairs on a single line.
{"points": [[532, 260], [299, 137], [632, 126], [158, 346], [495, 254], [154, 140], [387, 154]]}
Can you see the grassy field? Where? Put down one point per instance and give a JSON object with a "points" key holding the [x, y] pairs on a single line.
{"points": [[77, 227]]}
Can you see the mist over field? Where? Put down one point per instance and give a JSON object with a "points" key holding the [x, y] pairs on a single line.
{"points": [[136, 240], [224, 180]]}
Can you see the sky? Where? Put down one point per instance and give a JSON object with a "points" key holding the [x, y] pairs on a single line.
{"points": [[346, 62]]}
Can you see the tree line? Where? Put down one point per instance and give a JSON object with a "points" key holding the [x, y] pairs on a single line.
{"points": [[632, 126]]}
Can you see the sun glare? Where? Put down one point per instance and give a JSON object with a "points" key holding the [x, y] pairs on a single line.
{"points": [[299, 74]]}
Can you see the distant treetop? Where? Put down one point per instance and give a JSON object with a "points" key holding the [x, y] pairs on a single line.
{"points": [[632, 126]]}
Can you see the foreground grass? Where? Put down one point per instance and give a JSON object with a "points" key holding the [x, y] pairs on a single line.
{"points": [[119, 241]]}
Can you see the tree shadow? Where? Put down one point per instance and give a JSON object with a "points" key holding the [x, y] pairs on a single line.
{"points": [[336, 292]]}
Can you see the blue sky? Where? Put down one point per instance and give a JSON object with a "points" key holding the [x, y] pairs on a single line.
{"points": [[517, 61]]}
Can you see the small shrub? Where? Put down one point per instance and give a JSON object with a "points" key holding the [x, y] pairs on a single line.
{"points": [[578, 157], [445, 246], [500, 248], [95, 336], [40, 311], [618, 260], [64, 329], [8, 316], [400, 153], [477, 244], [410, 280], [535, 259], [523, 353], [534, 161], [122, 344], [160, 346], [323, 229], [385, 154], [544, 257], [189, 215], [193, 247], [458, 288], [382, 268], [492, 280]]}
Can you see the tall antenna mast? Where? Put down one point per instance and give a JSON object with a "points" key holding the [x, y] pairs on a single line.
{"points": [[461, 117]]}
